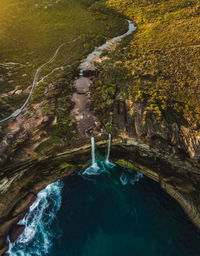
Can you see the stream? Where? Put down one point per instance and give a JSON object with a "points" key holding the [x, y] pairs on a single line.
{"points": [[86, 120], [107, 210]]}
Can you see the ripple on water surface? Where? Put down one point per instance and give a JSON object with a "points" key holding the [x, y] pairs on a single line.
{"points": [[117, 213]]}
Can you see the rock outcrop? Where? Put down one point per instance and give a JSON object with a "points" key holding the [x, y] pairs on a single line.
{"points": [[167, 137], [168, 153], [162, 156]]}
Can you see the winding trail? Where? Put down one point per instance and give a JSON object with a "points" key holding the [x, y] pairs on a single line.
{"points": [[35, 82], [18, 111], [84, 117], [87, 122]]}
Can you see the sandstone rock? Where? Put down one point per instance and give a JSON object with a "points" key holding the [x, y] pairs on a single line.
{"points": [[139, 110], [18, 92], [192, 143]]}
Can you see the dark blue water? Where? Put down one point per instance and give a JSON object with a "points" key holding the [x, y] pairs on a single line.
{"points": [[117, 213]]}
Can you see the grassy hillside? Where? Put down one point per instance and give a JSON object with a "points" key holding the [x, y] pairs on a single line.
{"points": [[161, 61], [31, 31]]}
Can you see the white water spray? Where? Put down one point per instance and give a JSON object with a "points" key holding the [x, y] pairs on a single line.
{"points": [[81, 72], [37, 237], [93, 169], [127, 179]]}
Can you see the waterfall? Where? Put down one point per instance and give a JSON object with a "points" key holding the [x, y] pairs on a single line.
{"points": [[109, 145], [93, 151], [107, 162], [93, 169]]}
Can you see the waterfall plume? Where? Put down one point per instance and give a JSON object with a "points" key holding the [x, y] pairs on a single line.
{"points": [[93, 169]]}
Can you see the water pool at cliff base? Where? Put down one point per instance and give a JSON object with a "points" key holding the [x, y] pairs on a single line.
{"points": [[116, 213]]}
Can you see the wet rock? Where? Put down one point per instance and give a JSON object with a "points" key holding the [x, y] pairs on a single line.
{"points": [[15, 232], [152, 143]]}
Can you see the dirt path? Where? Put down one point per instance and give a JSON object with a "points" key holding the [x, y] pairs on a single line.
{"points": [[35, 81]]}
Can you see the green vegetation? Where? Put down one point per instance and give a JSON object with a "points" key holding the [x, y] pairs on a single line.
{"points": [[111, 83], [158, 66], [161, 60], [48, 144], [39, 92], [126, 164], [31, 31], [65, 165]]}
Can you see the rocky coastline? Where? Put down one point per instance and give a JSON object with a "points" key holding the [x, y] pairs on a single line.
{"points": [[166, 153], [180, 178]]}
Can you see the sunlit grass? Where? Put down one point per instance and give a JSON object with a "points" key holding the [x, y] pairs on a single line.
{"points": [[30, 32], [163, 56]]}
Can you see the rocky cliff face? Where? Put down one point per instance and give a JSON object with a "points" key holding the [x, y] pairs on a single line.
{"points": [[167, 153], [20, 183], [173, 138]]}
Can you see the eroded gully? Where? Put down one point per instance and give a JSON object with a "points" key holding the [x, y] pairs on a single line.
{"points": [[86, 121]]}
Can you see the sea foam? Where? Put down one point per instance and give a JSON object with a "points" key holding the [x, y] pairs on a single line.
{"points": [[37, 236]]}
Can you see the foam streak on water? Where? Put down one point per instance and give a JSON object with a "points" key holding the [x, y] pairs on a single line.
{"points": [[125, 178], [37, 237]]}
